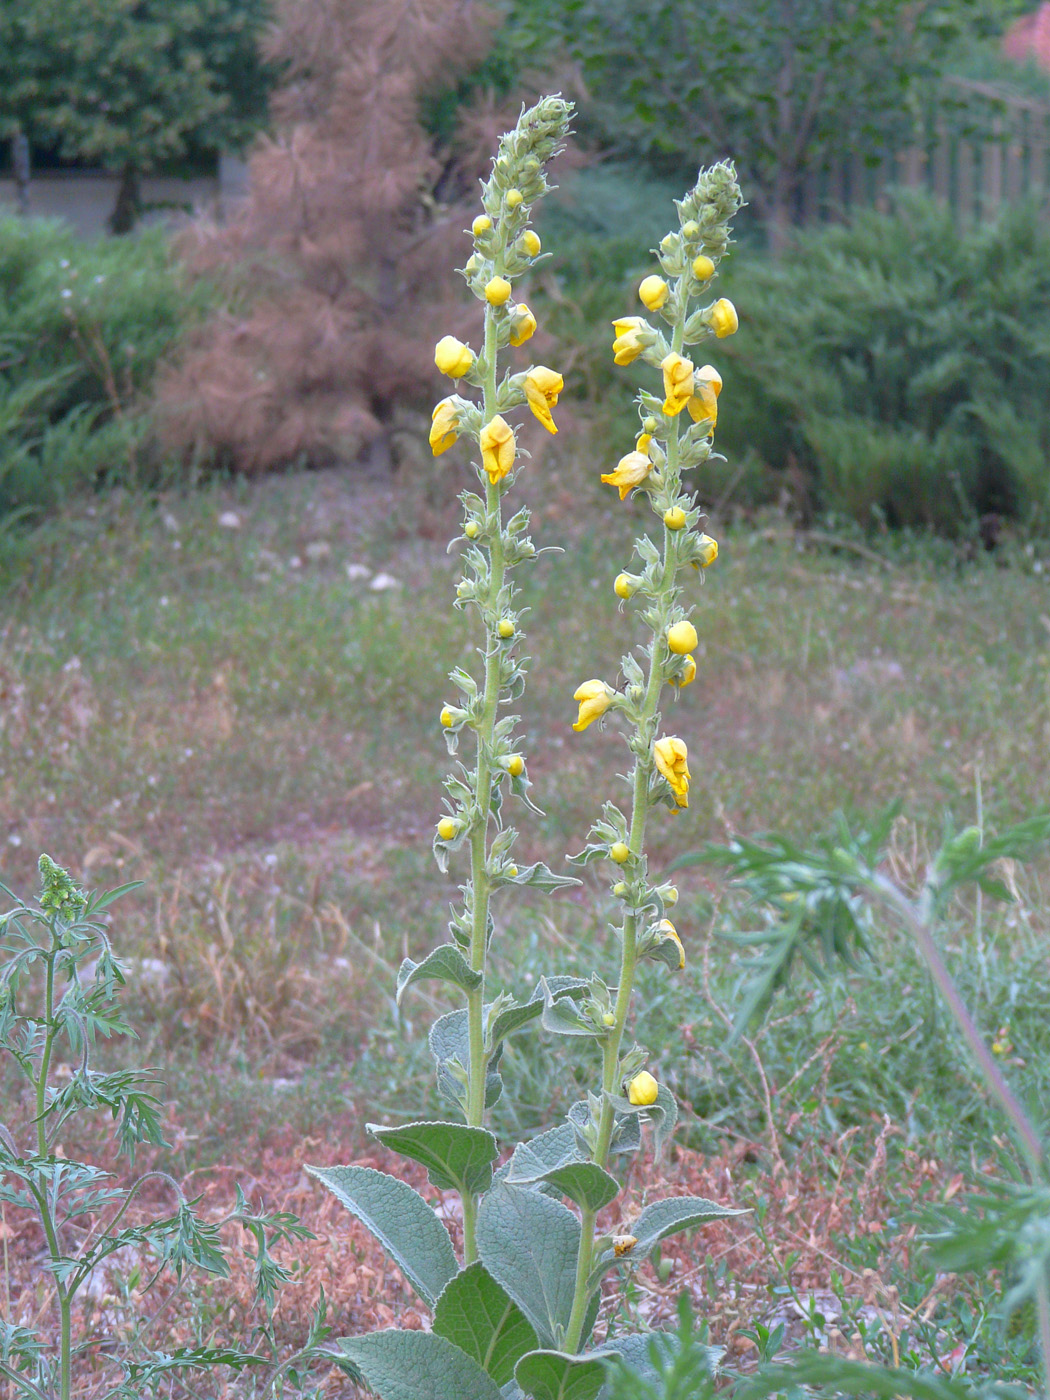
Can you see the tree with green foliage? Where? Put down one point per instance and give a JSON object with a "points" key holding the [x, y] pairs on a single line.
{"points": [[132, 84], [782, 86]]}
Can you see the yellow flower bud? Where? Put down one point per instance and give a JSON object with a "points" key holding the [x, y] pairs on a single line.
{"points": [[670, 895], [513, 198], [682, 637], [672, 762], [668, 930], [608, 1018], [688, 674], [703, 269], [633, 334], [512, 871], [447, 718], [722, 318], [497, 448], [708, 551], [643, 1089], [444, 427], [472, 529], [452, 357], [481, 225], [649, 425], [506, 628], [630, 472], [594, 698], [531, 243], [625, 585], [515, 765], [523, 326], [653, 292], [620, 852], [497, 291], [675, 518], [678, 382], [690, 229], [619, 889], [448, 828], [542, 387]]}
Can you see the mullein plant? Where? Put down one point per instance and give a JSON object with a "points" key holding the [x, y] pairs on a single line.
{"points": [[514, 1315]]}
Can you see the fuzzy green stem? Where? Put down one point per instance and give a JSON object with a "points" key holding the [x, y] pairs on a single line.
{"points": [[629, 949], [478, 1068]]}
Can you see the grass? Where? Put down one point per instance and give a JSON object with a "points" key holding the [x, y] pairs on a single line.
{"points": [[219, 710]]}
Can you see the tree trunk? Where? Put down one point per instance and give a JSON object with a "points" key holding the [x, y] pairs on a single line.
{"points": [[128, 203]]}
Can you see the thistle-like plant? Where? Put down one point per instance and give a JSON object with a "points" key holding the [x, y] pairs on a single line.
{"points": [[59, 985], [514, 1315]]}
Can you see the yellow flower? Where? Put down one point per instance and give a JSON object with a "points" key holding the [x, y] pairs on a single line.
{"points": [[448, 827], [452, 357], [515, 765], [523, 326], [633, 334], [653, 292], [642, 445], [703, 269], [675, 518], [688, 674], [513, 198], [594, 698], [704, 403], [444, 427], [625, 585], [643, 1089], [481, 225], [708, 550], [722, 318], [682, 638], [472, 529], [542, 387], [497, 448], [623, 1244], [497, 291], [668, 930], [531, 243], [672, 761], [678, 382], [448, 719], [620, 852], [630, 472]]}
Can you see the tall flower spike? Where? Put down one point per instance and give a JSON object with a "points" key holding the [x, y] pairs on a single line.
{"points": [[667, 447], [504, 247]]}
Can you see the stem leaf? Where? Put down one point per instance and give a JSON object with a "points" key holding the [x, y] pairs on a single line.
{"points": [[479, 1317], [529, 1244], [457, 1158]]}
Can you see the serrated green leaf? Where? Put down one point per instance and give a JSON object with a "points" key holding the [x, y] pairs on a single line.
{"points": [[457, 1158], [417, 1366], [479, 1317], [401, 1221], [529, 1244], [659, 1220], [444, 964]]}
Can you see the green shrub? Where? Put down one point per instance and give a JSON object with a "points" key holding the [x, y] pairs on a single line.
{"points": [[82, 327], [909, 383]]}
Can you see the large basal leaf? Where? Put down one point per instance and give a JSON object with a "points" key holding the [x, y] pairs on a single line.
{"points": [[457, 1158], [667, 1217], [481, 1319], [417, 1366], [529, 1244], [444, 964], [401, 1221], [557, 1375]]}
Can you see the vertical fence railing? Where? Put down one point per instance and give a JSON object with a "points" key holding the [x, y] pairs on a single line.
{"points": [[974, 173]]}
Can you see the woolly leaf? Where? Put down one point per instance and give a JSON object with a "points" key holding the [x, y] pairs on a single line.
{"points": [[457, 1158], [529, 1244], [417, 1366], [477, 1315]]}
